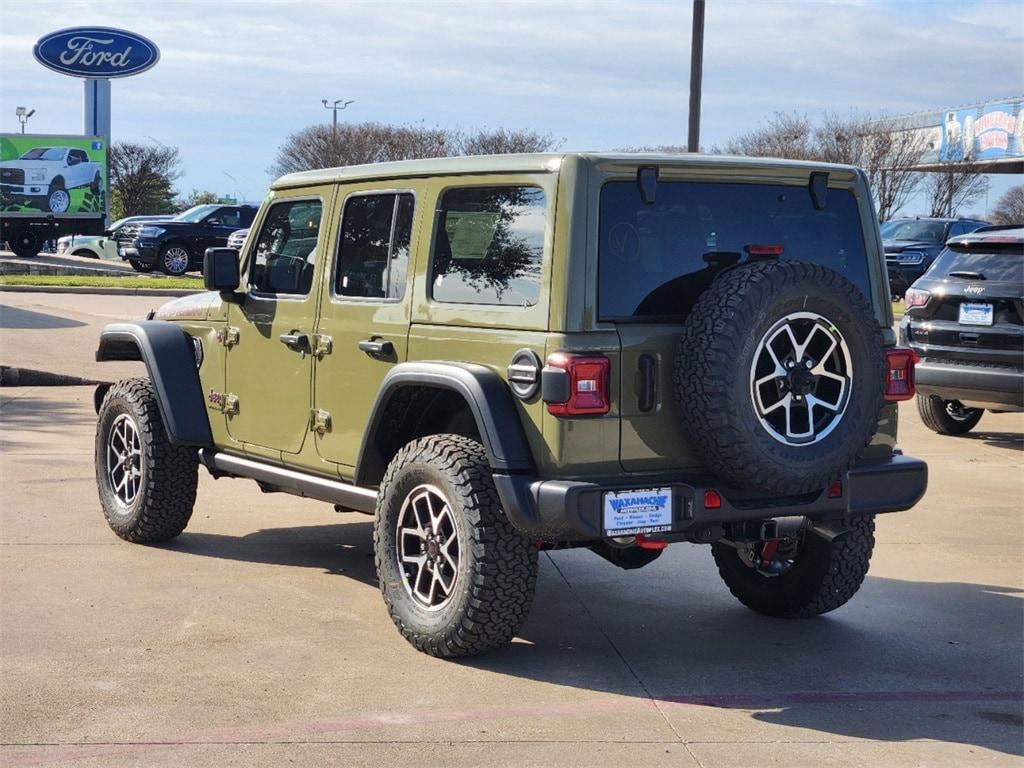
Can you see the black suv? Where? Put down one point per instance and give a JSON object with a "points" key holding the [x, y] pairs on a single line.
{"points": [[177, 245], [965, 319], [911, 246]]}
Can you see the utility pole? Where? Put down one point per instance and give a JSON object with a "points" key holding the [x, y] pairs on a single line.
{"points": [[696, 75], [335, 108]]}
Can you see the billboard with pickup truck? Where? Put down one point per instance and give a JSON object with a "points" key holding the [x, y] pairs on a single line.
{"points": [[49, 186]]}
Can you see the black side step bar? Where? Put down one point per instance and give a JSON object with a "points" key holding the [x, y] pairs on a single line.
{"points": [[290, 481]]}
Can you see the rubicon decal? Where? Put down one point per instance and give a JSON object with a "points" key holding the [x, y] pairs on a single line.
{"points": [[96, 52]]}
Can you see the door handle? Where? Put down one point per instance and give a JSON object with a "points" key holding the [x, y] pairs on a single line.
{"points": [[297, 341], [378, 348]]}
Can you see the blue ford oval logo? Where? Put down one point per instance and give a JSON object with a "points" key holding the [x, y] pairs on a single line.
{"points": [[96, 52]]}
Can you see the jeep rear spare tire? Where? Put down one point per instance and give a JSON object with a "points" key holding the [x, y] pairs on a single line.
{"points": [[780, 376]]}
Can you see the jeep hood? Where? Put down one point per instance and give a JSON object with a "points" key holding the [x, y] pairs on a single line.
{"points": [[194, 307]]}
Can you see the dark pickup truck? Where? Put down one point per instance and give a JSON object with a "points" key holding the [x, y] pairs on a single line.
{"points": [[177, 245]]}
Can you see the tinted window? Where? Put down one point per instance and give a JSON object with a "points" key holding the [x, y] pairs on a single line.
{"points": [[373, 258], [913, 229], [655, 260], [286, 248], [1007, 267], [229, 217], [488, 246]]}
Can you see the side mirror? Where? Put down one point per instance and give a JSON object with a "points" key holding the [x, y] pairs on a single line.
{"points": [[213, 222], [220, 272]]}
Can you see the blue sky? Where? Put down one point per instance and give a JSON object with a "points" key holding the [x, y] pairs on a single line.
{"points": [[235, 78]]}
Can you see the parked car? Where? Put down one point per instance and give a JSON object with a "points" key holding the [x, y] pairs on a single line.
{"points": [[912, 244], [965, 319], [46, 175], [100, 246], [176, 245], [237, 239], [496, 355]]}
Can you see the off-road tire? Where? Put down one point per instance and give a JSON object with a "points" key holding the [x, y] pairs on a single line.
{"points": [[170, 473], [497, 564], [712, 376], [824, 575], [933, 413], [138, 266]]}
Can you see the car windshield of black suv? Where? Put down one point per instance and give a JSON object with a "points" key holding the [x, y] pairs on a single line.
{"points": [[196, 213], [656, 259], [922, 231], [999, 267]]}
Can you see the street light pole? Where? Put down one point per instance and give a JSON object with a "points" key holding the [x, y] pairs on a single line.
{"points": [[335, 108], [696, 75], [23, 116]]}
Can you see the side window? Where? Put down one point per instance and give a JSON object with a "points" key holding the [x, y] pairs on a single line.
{"points": [[373, 251], [229, 217], [488, 246], [75, 157], [285, 251]]}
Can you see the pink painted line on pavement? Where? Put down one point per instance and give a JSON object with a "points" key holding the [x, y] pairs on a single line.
{"points": [[22, 755]]}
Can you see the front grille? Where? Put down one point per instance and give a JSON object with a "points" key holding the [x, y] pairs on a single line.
{"points": [[128, 233], [12, 175]]}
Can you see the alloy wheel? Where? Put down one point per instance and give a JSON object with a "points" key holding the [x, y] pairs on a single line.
{"points": [[427, 547]]}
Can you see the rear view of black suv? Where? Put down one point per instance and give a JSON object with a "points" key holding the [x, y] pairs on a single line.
{"points": [[177, 245], [965, 320], [911, 246]]}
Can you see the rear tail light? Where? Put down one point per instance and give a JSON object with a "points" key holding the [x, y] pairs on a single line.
{"points": [[915, 297], [835, 489], [576, 385], [712, 500], [899, 378], [764, 249]]}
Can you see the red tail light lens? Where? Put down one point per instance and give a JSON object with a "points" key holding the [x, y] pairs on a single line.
{"points": [[899, 379], [764, 249], [712, 500], [588, 384], [835, 490], [915, 297]]}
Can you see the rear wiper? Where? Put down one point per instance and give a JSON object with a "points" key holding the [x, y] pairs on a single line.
{"points": [[968, 275]]}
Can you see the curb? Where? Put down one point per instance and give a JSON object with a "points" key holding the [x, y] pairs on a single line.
{"points": [[25, 377], [110, 290]]}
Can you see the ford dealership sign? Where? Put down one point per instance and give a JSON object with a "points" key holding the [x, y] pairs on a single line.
{"points": [[97, 52]]}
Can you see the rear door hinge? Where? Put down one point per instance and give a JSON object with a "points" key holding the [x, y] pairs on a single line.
{"points": [[322, 345], [228, 337], [320, 421]]}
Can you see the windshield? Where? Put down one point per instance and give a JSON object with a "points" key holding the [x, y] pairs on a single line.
{"points": [[198, 213], [1000, 267], [44, 153], [655, 260], [925, 231]]}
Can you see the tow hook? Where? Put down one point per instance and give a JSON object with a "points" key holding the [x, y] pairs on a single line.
{"points": [[768, 552]]}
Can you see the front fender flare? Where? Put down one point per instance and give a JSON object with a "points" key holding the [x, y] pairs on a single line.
{"points": [[170, 360], [485, 392]]}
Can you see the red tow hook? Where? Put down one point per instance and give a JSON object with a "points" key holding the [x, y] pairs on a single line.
{"points": [[644, 543], [771, 546]]}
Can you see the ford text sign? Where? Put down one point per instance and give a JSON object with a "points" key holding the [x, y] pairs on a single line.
{"points": [[98, 52]]}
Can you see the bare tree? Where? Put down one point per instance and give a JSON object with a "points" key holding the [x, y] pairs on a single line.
{"points": [[785, 135], [321, 146], [195, 197], [949, 191], [141, 178], [505, 141], [1010, 208]]}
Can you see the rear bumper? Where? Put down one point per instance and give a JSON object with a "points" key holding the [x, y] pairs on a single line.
{"points": [[571, 510], [985, 386]]}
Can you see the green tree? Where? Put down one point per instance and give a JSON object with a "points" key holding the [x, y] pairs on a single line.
{"points": [[196, 197], [142, 178]]}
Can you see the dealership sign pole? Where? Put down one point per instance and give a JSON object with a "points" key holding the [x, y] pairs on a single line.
{"points": [[97, 54]]}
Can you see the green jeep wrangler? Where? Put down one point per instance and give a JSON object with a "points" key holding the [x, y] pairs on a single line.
{"points": [[499, 355]]}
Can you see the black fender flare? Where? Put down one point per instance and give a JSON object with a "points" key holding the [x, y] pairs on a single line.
{"points": [[485, 392], [170, 359]]}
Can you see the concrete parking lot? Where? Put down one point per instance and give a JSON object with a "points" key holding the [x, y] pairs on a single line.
{"points": [[259, 635]]}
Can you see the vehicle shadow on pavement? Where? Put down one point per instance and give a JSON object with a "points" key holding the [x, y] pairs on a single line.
{"points": [[27, 421], [1011, 440], [342, 549], [903, 661], [16, 318]]}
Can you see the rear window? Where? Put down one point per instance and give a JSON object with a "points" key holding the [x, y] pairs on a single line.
{"points": [[655, 260], [1002, 267]]}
